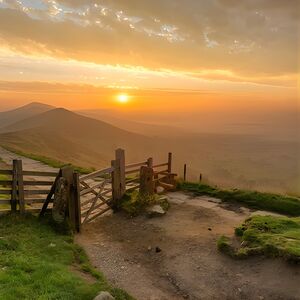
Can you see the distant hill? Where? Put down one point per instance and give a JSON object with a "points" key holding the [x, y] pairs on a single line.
{"points": [[69, 137], [135, 127], [21, 113]]}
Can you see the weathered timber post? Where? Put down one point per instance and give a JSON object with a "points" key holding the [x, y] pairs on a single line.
{"points": [[147, 181], [150, 162], [21, 197], [170, 157], [14, 192], [68, 175], [115, 182], [75, 196], [120, 156], [184, 172]]}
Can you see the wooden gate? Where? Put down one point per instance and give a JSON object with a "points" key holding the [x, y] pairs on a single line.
{"points": [[95, 194], [102, 190]]}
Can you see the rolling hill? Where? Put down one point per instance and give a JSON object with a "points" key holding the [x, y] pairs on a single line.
{"points": [[69, 137], [152, 130], [10, 117]]}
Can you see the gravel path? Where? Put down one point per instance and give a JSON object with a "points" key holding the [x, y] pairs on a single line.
{"points": [[175, 256]]}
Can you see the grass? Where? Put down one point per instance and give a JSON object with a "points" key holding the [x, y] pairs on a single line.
{"points": [[267, 235], [134, 203], [36, 263], [49, 161], [264, 201]]}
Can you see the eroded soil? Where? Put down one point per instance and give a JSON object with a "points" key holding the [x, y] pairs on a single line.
{"points": [[175, 256]]}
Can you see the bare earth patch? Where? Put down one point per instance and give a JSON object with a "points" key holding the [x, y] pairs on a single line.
{"points": [[175, 257]]}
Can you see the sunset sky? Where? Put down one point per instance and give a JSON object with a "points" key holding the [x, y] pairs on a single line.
{"points": [[171, 54]]}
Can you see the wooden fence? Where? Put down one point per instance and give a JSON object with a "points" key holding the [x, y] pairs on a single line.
{"points": [[89, 196], [19, 192]]}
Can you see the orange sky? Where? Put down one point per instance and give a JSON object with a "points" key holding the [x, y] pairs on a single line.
{"points": [[169, 55]]}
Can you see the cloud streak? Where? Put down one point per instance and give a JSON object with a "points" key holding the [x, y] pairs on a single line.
{"points": [[248, 39]]}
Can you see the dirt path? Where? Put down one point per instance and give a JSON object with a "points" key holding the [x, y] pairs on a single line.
{"points": [[189, 265], [28, 164]]}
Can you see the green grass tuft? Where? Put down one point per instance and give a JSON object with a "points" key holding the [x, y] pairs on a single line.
{"points": [[264, 201], [268, 235], [134, 203], [49, 161], [36, 263]]}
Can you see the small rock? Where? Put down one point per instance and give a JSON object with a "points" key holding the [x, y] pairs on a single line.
{"points": [[155, 211], [240, 290], [157, 250], [149, 248], [104, 296], [160, 190], [209, 229], [261, 297]]}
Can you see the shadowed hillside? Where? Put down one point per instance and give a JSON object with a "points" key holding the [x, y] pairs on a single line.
{"points": [[69, 137], [9, 117]]}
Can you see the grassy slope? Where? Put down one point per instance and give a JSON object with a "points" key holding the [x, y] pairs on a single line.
{"points": [[264, 201], [268, 235], [48, 161], [35, 263]]}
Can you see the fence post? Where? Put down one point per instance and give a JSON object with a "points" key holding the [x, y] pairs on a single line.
{"points": [[120, 157], [150, 162], [170, 162], [14, 192], [146, 181], [184, 172], [20, 186], [67, 173], [76, 200], [115, 182]]}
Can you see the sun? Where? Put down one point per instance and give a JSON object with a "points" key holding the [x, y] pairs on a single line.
{"points": [[123, 98]]}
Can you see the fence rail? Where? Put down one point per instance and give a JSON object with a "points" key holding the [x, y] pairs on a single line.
{"points": [[19, 193]]}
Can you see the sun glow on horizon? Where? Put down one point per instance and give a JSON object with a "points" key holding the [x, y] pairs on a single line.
{"points": [[123, 98]]}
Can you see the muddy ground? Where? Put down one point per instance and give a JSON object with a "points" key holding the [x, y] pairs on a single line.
{"points": [[175, 256]]}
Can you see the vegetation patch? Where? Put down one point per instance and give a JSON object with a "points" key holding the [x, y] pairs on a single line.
{"points": [[49, 161], [4, 197], [267, 235], [36, 263], [264, 201], [134, 203]]}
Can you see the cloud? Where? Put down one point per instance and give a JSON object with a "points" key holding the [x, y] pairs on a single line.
{"points": [[248, 38]]}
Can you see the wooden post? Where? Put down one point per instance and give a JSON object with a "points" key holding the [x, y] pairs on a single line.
{"points": [[21, 197], [150, 162], [115, 182], [120, 156], [184, 172], [14, 192], [67, 173], [170, 162], [146, 181], [200, 178], [76, 201]]}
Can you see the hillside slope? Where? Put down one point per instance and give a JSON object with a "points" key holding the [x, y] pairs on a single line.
{"points": [[154, 130], [69, 137], [12, 116]]}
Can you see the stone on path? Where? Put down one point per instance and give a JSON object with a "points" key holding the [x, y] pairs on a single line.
{"points": [[104, 296], [155, 211]]}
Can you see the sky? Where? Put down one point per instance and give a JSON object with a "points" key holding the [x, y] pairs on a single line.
{"points": [[163, 54]]}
